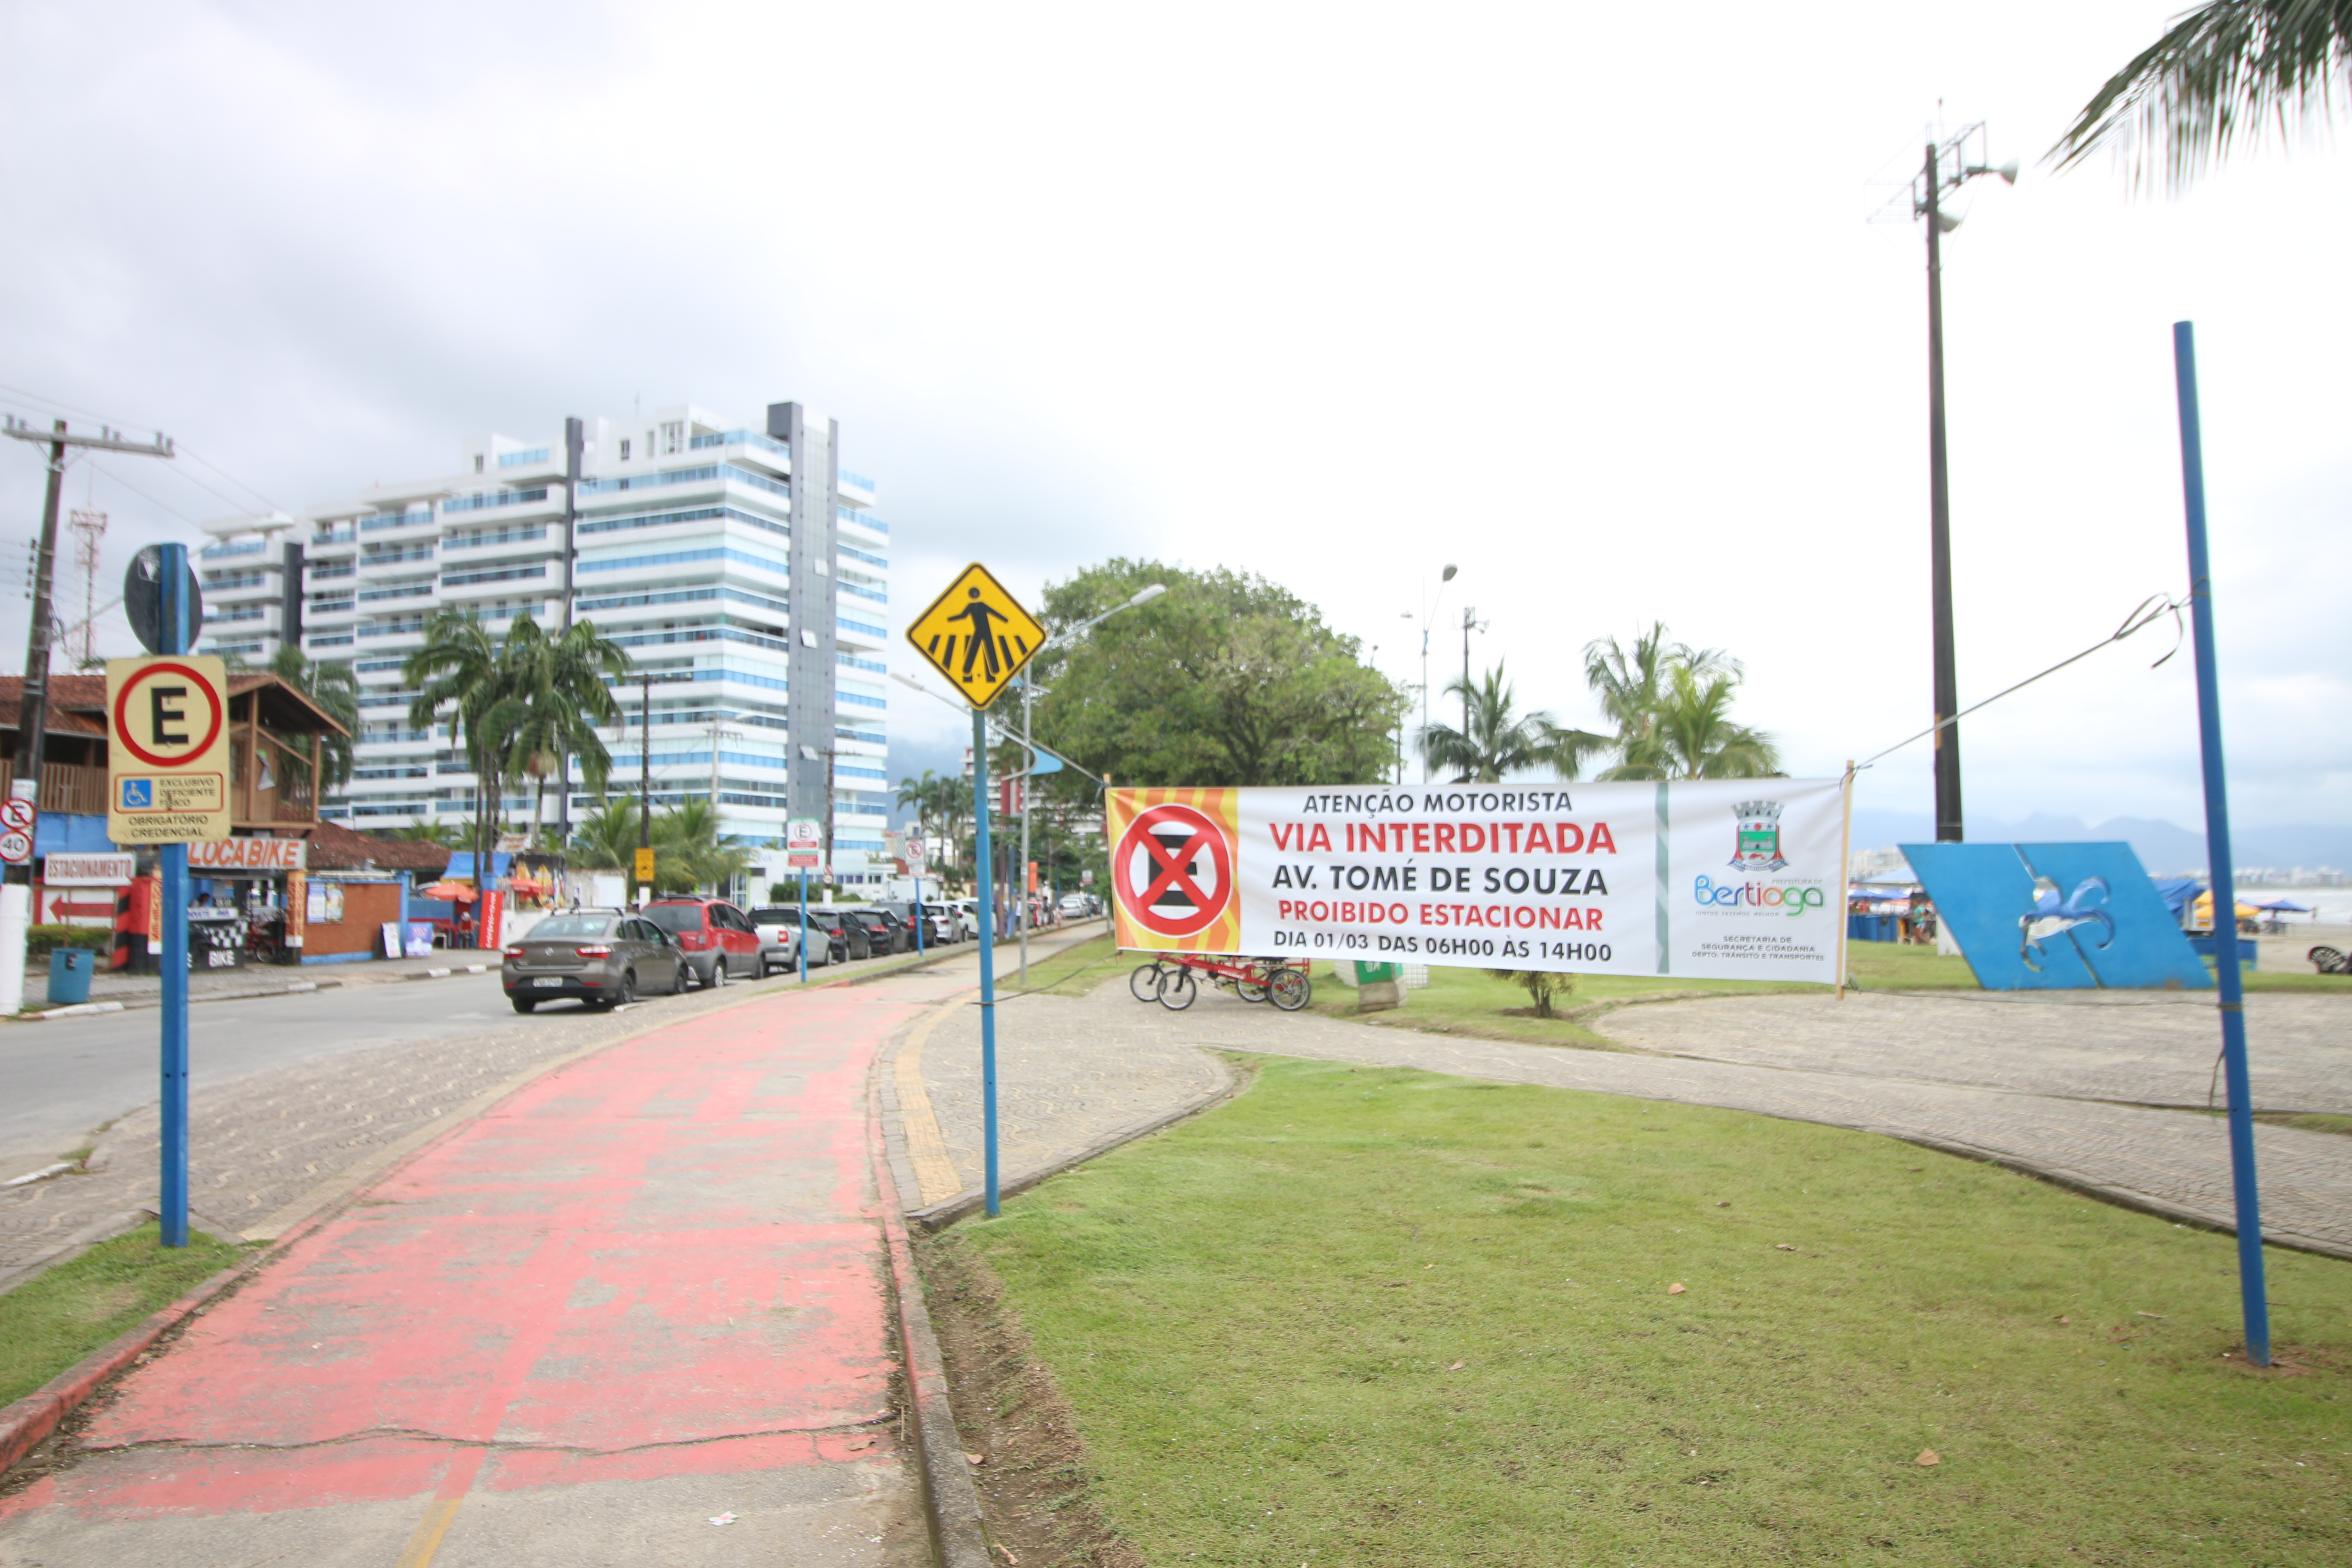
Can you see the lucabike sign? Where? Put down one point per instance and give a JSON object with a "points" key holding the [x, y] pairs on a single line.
{"points": [[1734, 879]]}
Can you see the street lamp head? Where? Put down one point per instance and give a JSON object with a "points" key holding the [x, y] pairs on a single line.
{"points": [[1450, 570], [809, 755], [1145, 595], [903, 678], [1946, 222]]}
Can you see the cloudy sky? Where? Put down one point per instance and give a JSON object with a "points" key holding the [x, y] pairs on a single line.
{"points": [[1580, 299]]}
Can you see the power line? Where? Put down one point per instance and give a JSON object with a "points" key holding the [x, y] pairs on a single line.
{"points": [[2146, 613], [41, 403], [142, 495]]}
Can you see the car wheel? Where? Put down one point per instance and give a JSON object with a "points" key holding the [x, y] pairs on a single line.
{"points": [[717, 976], [628, 988], [678, 979], [523, 1004]]}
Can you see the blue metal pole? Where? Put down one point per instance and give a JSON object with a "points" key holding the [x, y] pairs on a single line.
{"points": [[2250, 1289], [174, 1182], [981, 855], [805, 937]]}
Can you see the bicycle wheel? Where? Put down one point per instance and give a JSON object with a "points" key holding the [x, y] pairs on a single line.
{"points": [[1178, 990], [1291, 989], [1144, 981], [1251, 990]]}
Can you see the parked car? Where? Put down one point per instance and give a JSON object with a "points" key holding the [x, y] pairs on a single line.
{"points": [[968, 911], [885, 931], [937, 931], [717, 938], [1077, 907], [780, 939], [600, 959], [946, 923], [851, 934], [824, 948]]}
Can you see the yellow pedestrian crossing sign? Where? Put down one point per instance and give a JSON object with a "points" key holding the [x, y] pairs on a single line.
{"points": [[976, 635]]}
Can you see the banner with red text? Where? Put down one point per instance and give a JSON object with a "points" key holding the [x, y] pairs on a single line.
{"points": [[1737, 879]]}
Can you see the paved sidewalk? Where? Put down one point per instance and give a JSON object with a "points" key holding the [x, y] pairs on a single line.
{"points": [[647, 1293], [1070, 1071], [2133, 1048]]}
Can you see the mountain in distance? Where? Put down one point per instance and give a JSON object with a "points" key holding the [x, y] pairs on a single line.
{"points": [[2163, 849]]}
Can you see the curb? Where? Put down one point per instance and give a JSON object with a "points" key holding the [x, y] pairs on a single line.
{"points": [[23, 1424], [941, 1214], [951, 1501]]}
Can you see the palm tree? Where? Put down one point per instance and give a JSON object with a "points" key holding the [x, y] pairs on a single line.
{"points": [[1696, 736], [689, 851], [2228, 71], [462, 669], [1497, 744], [331, 684], [447, 834], [562, 684]]}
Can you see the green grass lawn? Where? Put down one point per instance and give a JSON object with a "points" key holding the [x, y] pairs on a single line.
{"points": [[1376, 1316], [60, 1315]]}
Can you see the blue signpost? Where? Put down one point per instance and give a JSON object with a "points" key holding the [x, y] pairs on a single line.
{"points": [[179, 632], [982, 858], [2250, 1289], [804, 936]]}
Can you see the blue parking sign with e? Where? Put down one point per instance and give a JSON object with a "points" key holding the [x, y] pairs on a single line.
{"points": [[138, 794]]}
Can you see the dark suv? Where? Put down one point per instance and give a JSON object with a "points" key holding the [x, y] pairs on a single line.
{"points": [[853, 935], [885, 931]]}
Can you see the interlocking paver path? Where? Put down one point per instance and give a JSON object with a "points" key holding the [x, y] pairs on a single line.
{"points": [[1070, 1071]]}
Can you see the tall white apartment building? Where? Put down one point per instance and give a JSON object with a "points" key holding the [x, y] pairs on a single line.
{"points": [[741, 566], [246, 572]]}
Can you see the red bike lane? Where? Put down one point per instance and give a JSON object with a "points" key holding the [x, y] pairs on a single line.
{"points": [[637, 1312]]}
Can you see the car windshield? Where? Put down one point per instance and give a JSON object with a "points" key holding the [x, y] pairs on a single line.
{"points": [[776, 917], [571, 927], [674, 917]]}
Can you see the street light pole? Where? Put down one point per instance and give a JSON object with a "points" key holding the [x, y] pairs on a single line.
{"points": [[1927, 202], [1940, 527], [644, 772]]}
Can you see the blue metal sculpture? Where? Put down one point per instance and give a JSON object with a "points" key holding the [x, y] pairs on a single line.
{"points": [[2051, 916]]}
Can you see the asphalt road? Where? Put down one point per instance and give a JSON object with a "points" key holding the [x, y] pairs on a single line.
{"points": [[62, 1079], [68, 1076]]}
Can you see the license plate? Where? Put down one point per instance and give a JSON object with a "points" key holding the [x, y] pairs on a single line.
{"points": [[551, 981]]}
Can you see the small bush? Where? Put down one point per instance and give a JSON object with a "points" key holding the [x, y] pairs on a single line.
{"points": [[41, 940], [1541, 984]]}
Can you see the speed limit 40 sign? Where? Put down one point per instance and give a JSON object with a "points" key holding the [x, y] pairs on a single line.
{"points": [[167, 751], [16, 820]]}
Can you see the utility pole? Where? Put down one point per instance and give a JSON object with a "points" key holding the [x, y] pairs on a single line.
{"points": [[1946, 167], [575, 437], [1940, 527], [645, 763], [1470, 623], [809, 755], [33, 723]]}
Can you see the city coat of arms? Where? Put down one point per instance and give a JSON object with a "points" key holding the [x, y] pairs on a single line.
{"points": [[1756, 845]]}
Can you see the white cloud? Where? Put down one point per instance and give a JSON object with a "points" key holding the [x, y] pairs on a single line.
{"points": [[1580, 300]]}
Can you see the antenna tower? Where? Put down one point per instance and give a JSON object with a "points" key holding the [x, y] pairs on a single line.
{"points": [[89, 534]]}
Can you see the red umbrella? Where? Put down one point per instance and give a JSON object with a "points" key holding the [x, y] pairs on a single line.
{"points": [[457, 891]]}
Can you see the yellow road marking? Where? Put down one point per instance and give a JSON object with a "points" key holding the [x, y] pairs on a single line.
{"points": [[934, 1173], [427, 1539]]}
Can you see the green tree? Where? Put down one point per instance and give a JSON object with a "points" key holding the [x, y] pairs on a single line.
{"points": [[562, 683], [1498, 743], [446, 834], [689, 852], [331, 684], [461, 673], [1227, 678], [1669, 706], [2226, 72]]}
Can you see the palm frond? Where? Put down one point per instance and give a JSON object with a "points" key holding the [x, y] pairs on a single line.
{"points": [[2228, 72]]}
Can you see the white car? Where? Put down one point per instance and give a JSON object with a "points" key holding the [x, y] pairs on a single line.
{"points": [[1077, 907]]}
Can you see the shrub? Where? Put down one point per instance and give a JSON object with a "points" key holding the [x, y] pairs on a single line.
{"points": [[1541, 984]]}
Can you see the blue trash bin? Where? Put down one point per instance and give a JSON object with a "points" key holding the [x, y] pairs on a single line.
{"points": [[70, 975]]}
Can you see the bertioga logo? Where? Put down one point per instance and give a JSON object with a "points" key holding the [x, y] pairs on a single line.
{"points": [[1712, 894], [1756, 838]]}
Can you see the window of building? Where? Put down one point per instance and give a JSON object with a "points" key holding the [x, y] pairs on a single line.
{"points": [[624, 449], [673, 437], [477, 462]]}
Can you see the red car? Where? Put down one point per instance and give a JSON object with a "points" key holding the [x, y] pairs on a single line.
{"points": [[716, 940]]}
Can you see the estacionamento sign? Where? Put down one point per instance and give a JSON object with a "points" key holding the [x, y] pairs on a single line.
{"points": [[1737, 879]]}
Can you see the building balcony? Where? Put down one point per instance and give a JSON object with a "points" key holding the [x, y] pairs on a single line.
{"points": [[479, 580]]}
